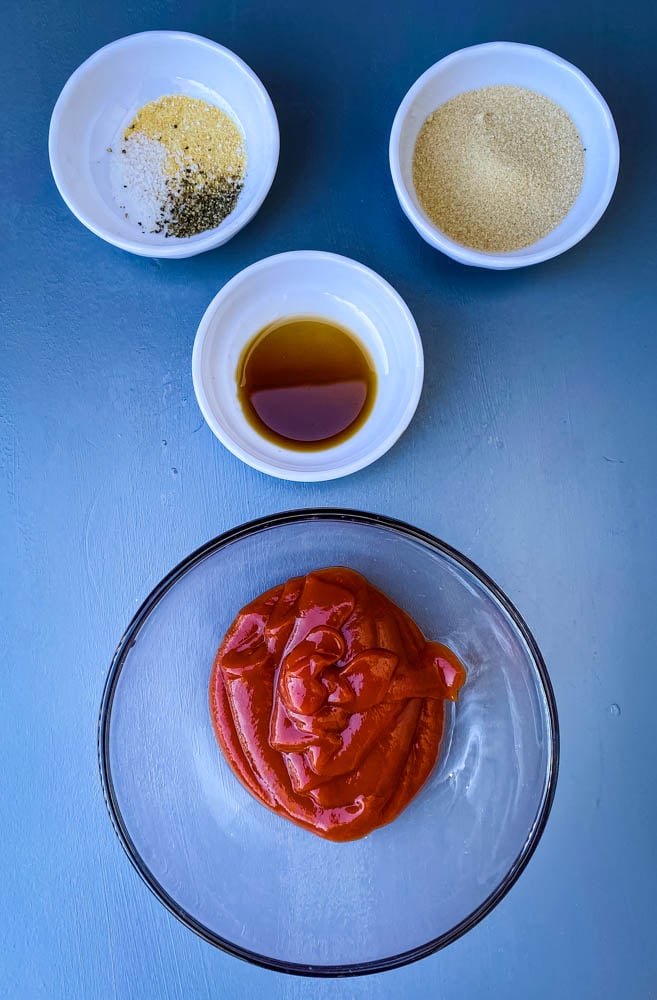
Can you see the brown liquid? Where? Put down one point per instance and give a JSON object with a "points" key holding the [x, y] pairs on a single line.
{"points": [[306, 383]]}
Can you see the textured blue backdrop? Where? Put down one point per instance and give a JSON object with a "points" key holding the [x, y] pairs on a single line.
{"points": [[533, 451]]}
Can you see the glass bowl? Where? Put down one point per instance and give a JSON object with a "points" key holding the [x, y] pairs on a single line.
{"points": [[255, 884]]}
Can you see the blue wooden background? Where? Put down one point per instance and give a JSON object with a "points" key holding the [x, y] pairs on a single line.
{"points": [[533, 451]]}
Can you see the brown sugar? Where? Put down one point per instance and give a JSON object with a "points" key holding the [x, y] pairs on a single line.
{"points": [[498, 168]]}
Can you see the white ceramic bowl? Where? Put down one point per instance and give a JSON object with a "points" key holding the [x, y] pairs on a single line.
{"points": [[308, 283], [524, 66], [104, 94]]}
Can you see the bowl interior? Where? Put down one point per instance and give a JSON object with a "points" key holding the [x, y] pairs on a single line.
{"points": [[104, 94], [524, 66], [253, 882], [309, 283]]}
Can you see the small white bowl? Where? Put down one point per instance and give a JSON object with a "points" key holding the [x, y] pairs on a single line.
{"points": [[102, 97], [308, 283], [524, 66]]}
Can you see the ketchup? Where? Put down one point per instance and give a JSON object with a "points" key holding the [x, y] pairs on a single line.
{"points": [[327, 702]]}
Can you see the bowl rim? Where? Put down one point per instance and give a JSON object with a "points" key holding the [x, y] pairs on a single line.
{"points": [[318, 472], [174, 250], [209, 548], [478, 258]]}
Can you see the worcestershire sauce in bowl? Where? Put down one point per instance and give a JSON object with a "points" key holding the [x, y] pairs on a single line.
{"points": [[306, 383]]}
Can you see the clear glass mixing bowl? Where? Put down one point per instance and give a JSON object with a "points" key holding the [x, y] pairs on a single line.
{"points": [[250, 881]]}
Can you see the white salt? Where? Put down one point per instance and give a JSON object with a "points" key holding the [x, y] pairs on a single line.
{"points": [[138, 182]]}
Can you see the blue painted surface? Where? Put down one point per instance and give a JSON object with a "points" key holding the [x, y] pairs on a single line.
{"points": [[533, 451]]}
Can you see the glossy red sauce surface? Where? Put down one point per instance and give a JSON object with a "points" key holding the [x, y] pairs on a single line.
{"points": [[327, 702]]}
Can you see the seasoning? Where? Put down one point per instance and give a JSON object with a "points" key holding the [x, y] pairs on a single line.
{"points": [[181, 167], [498, 168], [305, 383], [328, 703]]}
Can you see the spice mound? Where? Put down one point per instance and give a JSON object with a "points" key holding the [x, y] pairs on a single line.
{"points": [[328, 702], [498, 168], [179, 166]]}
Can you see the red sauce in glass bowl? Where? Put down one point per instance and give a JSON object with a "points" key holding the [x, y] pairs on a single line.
{"points": [[327, 702]]}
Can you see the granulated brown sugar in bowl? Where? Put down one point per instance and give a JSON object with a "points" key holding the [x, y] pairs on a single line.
{"points": [[498, 168]]}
